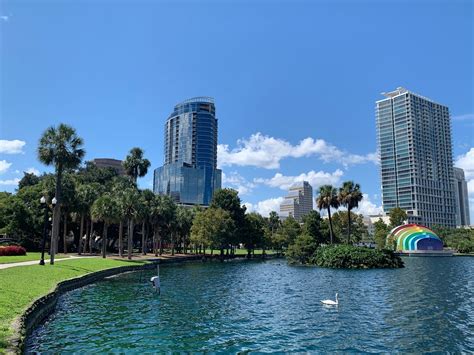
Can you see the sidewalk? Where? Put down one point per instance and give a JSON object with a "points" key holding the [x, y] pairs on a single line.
{"points": [[36, 262]]}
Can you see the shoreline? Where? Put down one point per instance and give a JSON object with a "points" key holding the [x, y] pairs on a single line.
{"points": [[44, 306]]}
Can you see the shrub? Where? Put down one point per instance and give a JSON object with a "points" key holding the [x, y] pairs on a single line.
{"points": [[350, 257], [12, 250]]}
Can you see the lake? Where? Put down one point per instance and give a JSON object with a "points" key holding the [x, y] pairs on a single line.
{"points": [[268, 306]]}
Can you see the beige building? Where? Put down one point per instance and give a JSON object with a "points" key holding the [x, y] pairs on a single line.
{"points": [[299, 201], [110, 163]]}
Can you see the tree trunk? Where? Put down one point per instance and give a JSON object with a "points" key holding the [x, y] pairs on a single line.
{"points": [[121, 238], [130, 239], [86, 242], [160, 244], [155, 241], [65, 233], [91, 237], [104, 240], [143, 239], [330, 225], [56, 214], [348, 225], [81, 231]]}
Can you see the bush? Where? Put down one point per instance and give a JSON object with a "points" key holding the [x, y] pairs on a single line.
{"points": [[12, 250], [301, 250], [350, 257]]}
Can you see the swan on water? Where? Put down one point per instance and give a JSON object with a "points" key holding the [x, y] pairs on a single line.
{"points": [[331, 302]]}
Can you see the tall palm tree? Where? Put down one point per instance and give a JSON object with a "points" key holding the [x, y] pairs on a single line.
{"points": [[105, 209], [326, 199], [144, 215], [135, 165], [349, 197], [162, 214], [119, 185], [129, 206], [86, 194], [60, 147]]}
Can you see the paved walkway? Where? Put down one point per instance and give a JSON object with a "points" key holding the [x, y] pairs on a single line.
{"points": [[35, 262]]}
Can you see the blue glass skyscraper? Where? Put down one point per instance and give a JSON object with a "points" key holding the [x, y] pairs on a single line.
{"points": [[189, 174]]}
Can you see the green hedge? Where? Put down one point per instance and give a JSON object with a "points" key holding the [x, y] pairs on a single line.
{"points": [[351, 257]]}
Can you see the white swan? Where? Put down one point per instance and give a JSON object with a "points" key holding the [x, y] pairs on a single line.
{"points": [[331, 302]]}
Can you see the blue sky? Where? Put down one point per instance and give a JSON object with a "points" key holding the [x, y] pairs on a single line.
{"points": [[295, 83]]}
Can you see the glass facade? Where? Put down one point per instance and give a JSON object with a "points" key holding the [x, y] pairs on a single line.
{"points": [[190, 173], [416, 164]]}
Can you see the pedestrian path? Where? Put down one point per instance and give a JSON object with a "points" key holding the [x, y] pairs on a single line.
{"points": [[34, 262]]}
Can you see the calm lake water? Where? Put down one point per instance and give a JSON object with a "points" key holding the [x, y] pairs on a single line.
{"points": [[270, 306]]}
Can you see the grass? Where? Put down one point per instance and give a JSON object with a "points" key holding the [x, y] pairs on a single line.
{"points": [[29, 257], [20, 286]]}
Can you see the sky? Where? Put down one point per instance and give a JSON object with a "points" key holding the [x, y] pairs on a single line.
{"points": [[295, 82]]}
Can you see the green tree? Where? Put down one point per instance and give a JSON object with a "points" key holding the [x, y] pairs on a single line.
{"points": [[184, 219], [273, 221], [129, 201], [358, 228], [105, 209], [254, 232], [349, 197], [327, 199], [60, 147], [228, 200], [28, 179], [302, 249], [397, 217], [135, 164], [147, 196], [312, 227], [162, 214], [86, 194], [381, 231], [286, 234]]}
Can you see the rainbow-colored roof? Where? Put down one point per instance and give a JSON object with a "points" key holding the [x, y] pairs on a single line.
{"points": [[410, 237]]}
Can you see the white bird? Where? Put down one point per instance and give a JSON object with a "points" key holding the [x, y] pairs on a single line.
{"points": [[331, 302]]}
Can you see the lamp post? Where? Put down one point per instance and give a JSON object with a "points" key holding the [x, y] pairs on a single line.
{"points": [[45, 227]]}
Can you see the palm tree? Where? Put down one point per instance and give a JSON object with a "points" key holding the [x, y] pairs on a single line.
{"points": [[86, 194], [60, 147], [135, 165], [326, 199], [162, 213], [144, 215], [349, 197], [129, 201], [119, 185], [105, 209]]}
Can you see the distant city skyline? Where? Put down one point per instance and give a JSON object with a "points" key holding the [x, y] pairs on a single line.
{"points": [[295, 83]]}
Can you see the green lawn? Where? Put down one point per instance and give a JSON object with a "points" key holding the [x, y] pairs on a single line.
{"points": [[20, 286], [29, 257]]}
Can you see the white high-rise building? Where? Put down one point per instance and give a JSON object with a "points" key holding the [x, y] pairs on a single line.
{"points": [[416, 160], [299, 201], [462, 198]]}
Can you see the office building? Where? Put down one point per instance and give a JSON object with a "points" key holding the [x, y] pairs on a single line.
{"points": [[110, 163], [189, 174], [462, 198], [299, 201], [416, 163]]}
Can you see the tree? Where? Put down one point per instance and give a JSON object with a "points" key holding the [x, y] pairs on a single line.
{"points": [[28, 179], [254, 231], [358, 228], [349, 197], [273, 221], [129, 201], [162, 213], [397, 217], [302, 249], [135, 165], [312, 226], [86, 194], [60, 147], [381, 231], [326, 199], [184, 219], [105, 209], [287, 233], [144, 215]]}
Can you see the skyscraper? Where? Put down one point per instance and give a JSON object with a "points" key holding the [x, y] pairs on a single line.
{"points": [[416, 163], [189, 174], [462, 199], [299, 201]]}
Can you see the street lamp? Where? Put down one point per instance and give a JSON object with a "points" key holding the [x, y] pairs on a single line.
{"points": [[45, 227]]}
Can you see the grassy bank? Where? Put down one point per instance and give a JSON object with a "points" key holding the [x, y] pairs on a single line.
{"points": [[29, 257], [20, 286]]}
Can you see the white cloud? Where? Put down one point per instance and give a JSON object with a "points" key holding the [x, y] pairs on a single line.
{"points": [[267, 152], [11, 147], [465, 117], [4, 18], [238, 182], [13, 182], [316, 179], [367, 207], [33, 171], [265, 207], [466, 162], [4, 166]]}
